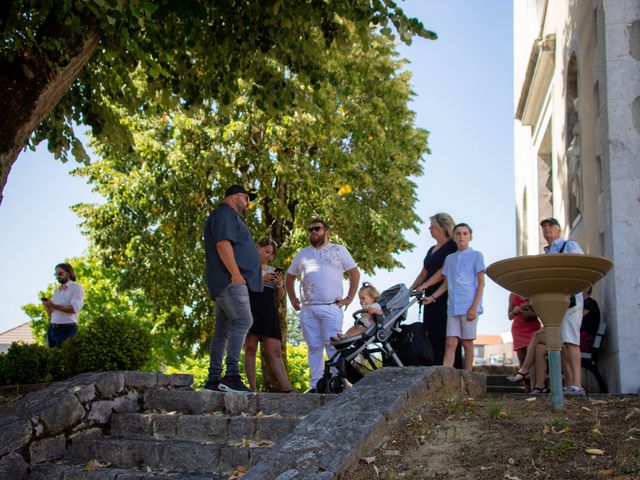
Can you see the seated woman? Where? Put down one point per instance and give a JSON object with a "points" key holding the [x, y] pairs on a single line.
{"points": [[524, 325], [534, 366]]}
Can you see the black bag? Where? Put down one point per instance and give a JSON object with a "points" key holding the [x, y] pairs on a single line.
{"points": [[412, 346]]}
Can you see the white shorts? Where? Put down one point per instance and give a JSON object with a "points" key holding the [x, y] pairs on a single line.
{"points": [[570, 326], [459, 326]]}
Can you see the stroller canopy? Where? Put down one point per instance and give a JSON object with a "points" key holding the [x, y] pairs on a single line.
{"points": [[394, 299]]}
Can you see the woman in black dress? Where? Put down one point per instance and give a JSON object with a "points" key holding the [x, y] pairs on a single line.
{"points": [[430, 278], [266, 321]]}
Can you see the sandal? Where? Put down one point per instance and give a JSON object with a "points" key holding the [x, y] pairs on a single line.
{"points": [[518, 377], [539, 390]]}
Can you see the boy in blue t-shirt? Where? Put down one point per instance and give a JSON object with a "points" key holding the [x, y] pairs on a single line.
{"points": [[463, 273]]}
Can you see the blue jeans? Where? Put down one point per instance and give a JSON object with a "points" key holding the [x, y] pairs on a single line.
{"points": [[59, 332], [232, 322]]}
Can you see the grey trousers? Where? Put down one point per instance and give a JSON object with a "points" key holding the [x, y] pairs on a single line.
{"points": [[232, 322]]}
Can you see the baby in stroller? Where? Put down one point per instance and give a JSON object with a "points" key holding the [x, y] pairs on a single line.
{"points": [[368, 295]]}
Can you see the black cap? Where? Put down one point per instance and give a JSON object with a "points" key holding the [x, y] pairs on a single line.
{"points": [[550, 220], [233, 189]]}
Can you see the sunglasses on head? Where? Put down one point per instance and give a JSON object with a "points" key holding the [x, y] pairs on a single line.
{"points": [[315, 229]]}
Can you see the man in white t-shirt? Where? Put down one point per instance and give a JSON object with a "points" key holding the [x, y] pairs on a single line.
{"points": [[64, 306], [321, 267]]}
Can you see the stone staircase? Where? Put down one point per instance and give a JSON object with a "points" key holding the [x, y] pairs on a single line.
{"points": [[497, 379], [133, 425], [184, 432], [148, 426]]}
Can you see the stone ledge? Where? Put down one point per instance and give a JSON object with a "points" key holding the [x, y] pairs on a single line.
{"points": [[330, 440]]}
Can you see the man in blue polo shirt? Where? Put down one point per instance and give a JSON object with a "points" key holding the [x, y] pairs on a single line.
{"points": [[570, 327], [232, 269]]}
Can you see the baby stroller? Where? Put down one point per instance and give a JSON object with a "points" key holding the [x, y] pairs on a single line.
{"points": [[385, 343]]}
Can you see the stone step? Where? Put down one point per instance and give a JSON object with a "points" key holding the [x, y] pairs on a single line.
{"points": [[505, 389], [172, 456], [214, 428], [501, 380], [193, 402], [54, 471]]}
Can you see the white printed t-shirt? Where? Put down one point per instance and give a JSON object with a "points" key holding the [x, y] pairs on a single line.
{"points": [[321, 272]]}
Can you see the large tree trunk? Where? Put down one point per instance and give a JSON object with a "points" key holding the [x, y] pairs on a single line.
{"points": [[31, 87]]}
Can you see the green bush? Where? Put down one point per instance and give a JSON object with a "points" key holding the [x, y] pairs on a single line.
{"points": [[109, 344], [32, 363]]}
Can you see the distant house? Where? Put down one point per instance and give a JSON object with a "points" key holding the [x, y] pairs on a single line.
{"points": [[492, 350], [21, 333]]}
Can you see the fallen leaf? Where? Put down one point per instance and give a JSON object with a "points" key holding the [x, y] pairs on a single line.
{"points": [[148, 469], [93, 464], [598, 402], [368, 460], [629, 415], [511, 477], [470, 401], [586, 409], [594, 451], [607, 472], [511, 461], [375, 469], [238, 472], [423, 439], [532, 399], [595, 431], [546, 429], [261, 414], [392, 453]]}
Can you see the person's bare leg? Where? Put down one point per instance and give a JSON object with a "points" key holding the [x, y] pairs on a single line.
{"points": [[521, 353], [274, 352], [450, 345], [574, 363], [539, 372], [530, 357], [467, 345], [250, 351]]}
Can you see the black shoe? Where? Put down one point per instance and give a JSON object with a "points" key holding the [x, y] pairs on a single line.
{"points": [[233, 384], [213, 385]]}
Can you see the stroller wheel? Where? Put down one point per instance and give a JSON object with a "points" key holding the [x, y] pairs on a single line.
{"points": [[335, 385], [322, 386]]}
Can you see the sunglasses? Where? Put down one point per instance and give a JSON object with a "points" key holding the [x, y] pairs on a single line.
{"points": [[315, 229]]}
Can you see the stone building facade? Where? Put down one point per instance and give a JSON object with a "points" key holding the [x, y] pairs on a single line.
{"points": [[577, 150]]}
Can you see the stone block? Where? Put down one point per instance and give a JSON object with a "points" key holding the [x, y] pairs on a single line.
{"points": [[100, 412], [274, 428], [241, 428], [109, 384], [15, 433], [190, 457], [13, 466], [183, 401], [132, 425], [47, 449], [127, 403], [232, 457], [238, 403], [84, 393], [61, 414], [141, 380], [88, 432], [165, 426], [199, 428], [180, 380]]}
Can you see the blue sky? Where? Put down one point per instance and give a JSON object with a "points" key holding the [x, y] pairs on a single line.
{"points": [[464, 96]]}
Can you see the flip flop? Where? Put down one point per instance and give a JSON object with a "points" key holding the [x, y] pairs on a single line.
{"points": [[539, 390]]}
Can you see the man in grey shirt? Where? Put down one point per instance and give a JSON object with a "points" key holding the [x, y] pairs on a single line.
{"points": [[232, 269]]}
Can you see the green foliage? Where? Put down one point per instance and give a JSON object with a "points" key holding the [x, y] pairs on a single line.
{"points": [[32, 363], [189, 50], [299, 374], [349, 159], [111, 343]]}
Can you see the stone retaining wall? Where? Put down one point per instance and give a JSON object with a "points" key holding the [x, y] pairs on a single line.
{"points": [[36, 428]]}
